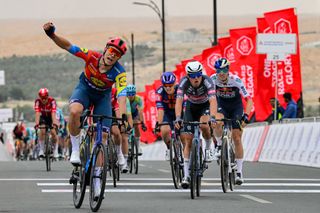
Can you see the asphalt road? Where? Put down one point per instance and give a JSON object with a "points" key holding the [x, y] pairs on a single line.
{"points": [[27, 187]]}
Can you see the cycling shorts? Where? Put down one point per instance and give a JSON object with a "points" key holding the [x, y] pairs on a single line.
{"points": [[234, 113], [193, 112], [101, 100]]}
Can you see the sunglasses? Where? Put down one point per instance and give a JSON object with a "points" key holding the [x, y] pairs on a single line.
{"points": [[131, 94], [168, 85], [44, 98], [195, 75], [114, 51], [225, 71]]}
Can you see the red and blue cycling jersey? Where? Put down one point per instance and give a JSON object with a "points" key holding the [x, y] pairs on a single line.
{"points": [[166, 102], [94, 78]]}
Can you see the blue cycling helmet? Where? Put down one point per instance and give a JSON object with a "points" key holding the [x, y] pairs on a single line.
{"points": [[131, 90], [222, 64], [168, 78]]}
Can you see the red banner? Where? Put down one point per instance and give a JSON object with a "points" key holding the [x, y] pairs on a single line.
{"points": [[150, 114], [227, 49], [209, 57], [180, 72], [289, 74], [246, 66]]}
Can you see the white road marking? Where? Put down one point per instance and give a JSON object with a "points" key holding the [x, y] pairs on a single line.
{"points": [[161, 179], [163, 170], [203, 183], [250, 197], [188, 191]]}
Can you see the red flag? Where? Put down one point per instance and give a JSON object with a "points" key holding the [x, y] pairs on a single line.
{"points": [[289, 73], [286, 21], [150, 114], [209, 57], [227, 49], [179, 72], [246, 66]]}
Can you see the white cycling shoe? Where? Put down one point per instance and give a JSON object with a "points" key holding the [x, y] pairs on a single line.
{"points": [[209, 155]]}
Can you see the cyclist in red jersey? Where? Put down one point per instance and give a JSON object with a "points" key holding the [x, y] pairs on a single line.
{"points": [[45, 108], [101, 71]]}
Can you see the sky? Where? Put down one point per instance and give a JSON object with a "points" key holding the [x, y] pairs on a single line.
{"points": [[44, 9]]}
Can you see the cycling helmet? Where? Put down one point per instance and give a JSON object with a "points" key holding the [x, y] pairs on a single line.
{"points": [[222, 64], [168, 78], [193, 67], [131, 90], [43, 93], [118, 43]]}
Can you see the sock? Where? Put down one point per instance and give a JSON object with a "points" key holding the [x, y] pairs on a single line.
{"points": [[118, 149], [97, 181], [239, 165], [219, 141], [208, 143], [138, 141], [186, 167], [75, 142], [41, 145]]}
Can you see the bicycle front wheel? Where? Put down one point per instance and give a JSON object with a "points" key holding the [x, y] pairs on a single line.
{"points": [[224, 164], [200, 169], [174, 163], [135, 157], [48, 152], [98, 176], [193, 170], [112, 162]]}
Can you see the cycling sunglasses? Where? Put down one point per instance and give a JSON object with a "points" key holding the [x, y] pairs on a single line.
{"points": [[131, 94], [114, 51], [225, 71], [195, 75], [168, 85]]}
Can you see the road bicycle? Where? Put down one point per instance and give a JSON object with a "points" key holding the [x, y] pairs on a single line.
{"points": [[227, 159], [197, 165], [91, 149], [176, 156]]}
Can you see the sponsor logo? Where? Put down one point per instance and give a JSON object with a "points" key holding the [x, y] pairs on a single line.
{"points": [[97, 82], [244, 45], [84, 50], [267, 30], [282, 26], [212, 59], [229, 53], [121, 80]]}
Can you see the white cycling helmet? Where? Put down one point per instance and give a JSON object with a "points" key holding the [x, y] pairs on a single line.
{"points": [[193, 67]]}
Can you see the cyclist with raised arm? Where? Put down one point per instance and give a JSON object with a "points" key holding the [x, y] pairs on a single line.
{"points": [[101, 71], [45, 108], [166, 96], [229, 89], [136, 109], [201, 105]]}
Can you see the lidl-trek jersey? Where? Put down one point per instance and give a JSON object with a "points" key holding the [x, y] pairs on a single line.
{"points": [[47, 108]]}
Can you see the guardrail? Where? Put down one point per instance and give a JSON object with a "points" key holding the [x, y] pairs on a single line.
{"points": [[292, 141]]}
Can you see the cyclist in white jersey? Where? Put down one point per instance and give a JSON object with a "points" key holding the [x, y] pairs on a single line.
{"points": [[229, 89]]}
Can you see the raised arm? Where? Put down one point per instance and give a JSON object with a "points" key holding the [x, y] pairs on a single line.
{"points": [[63, 43]]}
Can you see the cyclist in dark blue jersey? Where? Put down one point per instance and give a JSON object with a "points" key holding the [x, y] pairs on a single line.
{"points": [[166, 96], [229, 89]]}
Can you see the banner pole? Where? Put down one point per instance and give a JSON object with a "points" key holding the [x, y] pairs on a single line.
{"points": [[276, 92]]}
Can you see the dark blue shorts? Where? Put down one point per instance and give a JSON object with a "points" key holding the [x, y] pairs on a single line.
{"points": [[169, 118], [235, 113], [101, 100]]}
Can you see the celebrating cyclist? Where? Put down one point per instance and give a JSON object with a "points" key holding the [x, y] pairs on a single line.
{"points": [[229, 89], [45, 108], [101, 71], [201, 106], [136, 109], [166, 96]]}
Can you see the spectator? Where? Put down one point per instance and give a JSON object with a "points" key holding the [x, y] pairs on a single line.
{"points": [[280, 110], [291, 109], [2, 137]]}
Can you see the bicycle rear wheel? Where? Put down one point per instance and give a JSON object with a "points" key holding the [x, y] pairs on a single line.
{"points": [[99, 152], [48, 152], [174, 164], [112, 162], [224, 165], [79, 178], [131, 153], [193, 170]]}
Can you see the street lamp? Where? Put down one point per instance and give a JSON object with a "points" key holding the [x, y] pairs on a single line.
{"points": [[156, 9], [131, 48], [215, 31]]}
